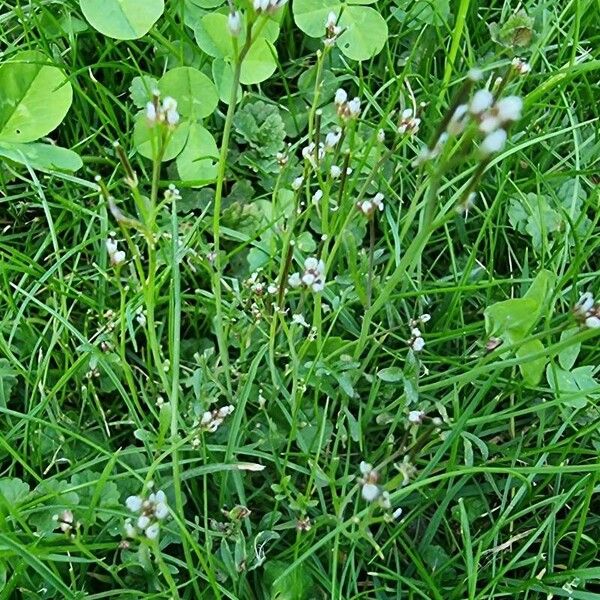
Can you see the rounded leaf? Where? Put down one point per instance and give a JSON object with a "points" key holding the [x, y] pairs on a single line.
{"points": [[365, 32], [44, 157], [34, 97], [311, 15], [142, 138], [197, 163], [122, 19], [212, 35], [260, 62], [195, 93]]}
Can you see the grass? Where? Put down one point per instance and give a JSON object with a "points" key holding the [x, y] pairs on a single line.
{"points": [[498, 495]]}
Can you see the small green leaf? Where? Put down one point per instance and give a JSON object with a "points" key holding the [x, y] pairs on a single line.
{"points": [[574, 387], [142, 138], [198, 160], [43, 157], [213, 37], [391, 374], [568, 356], [260, 62], [195, 93], [13, 491], [222, 73], [141, 89], [122, 19], [531, 369], [34, 97]]}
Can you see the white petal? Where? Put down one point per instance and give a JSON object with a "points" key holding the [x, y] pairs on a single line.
{"points": [[494, 142], [134, 503], [153, 531], [340, 96], [481, 101], [593, 322], [509, 108], [586, 302], [370, 492], [143, 522], [418, 344], [311, 263], [294, 280], [160, 496], [365, 468], [161, 511]]}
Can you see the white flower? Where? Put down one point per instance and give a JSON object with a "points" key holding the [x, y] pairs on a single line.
{"points": [[317, 196], [416, 417], [418, 344], [297, 183], [370, 491], [340, 97], [475, 75], [151, 114], [378, 200], [314, 274], [354, 107], [385, 501], [332, 138], [161, 511], [489, 123], [169, 103], [585, 303], [397, 513], [424, 318], [458, 120], [298, 319], [234, 23], [381, 136], [409, 123], [365, 468], [493, 142], [521, 67], [365, 207], [134, 503], [152, 531], [111, 246], [593, 322], [143, 522], [294, 280], [118, 258], [130, 530], [331, 20], [335, 171], [509, 108], [481, 101]]}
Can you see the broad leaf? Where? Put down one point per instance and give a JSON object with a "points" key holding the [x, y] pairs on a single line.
{"points": [[142, 138], [531, 369], [195, 93], [34, 97], [122, 19], [198, 161], [43, 157]]}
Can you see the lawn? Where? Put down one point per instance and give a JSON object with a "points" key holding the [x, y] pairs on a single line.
{"points": [[298, 300]]}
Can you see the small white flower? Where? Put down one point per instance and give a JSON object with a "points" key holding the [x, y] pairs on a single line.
{"points": [[169, 103], [332, 138], [151, 113], [152, 531], [298, 319], [481, 101], [418, 344], [416, 417], [585, 303], [354, 107], [234, 23], [314, 274], [397, 513], [134, 503], [111, 246], [317, 196], [143, 522], [509, 108], [225, 411], [160, 496], [365, 207], [335, 171], [294, 280], [370, 491], [475, 75], [341, 97], [409, 123], [118, 258], [297, 183], [424, 318], [130, 530], [206, 418], [522, 67], [378, 201], [489, 123], [161, 511], [458, 120], [331, 20], [381, 136], [493, 142], [365, 468], [593, 322], [385, 501]]}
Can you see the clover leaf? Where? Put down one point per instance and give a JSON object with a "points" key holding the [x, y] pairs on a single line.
{"points": [[365, 31]]}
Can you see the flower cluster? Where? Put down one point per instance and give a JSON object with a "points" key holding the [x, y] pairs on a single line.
{"points": [[117, 257], [313, 154], [65, 521], [587, 311], [409, 123], [159, 113], [269, 6], [346, 109], [371, 490], [150, 512], [211, 420], [313, 276], [416, 341], [368, 207], [332, 29], [520, 66]]}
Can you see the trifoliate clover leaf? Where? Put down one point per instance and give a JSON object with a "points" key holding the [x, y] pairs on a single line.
{"points": [[516, 32], [365, 31], [533, 215]]}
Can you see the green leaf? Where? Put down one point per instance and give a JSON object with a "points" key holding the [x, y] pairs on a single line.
{"points": [[222, 73], [43, 157], [568, 356], [531, 369], [213, 37], [260, 62], [122, 19], [198, 160], [365, 32], [142, 138], [391, 374], [195, 93], [141, 89], [54, 497], [566, 384], [260, 125], [13, 490], [34, 97], [415, 14]]}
